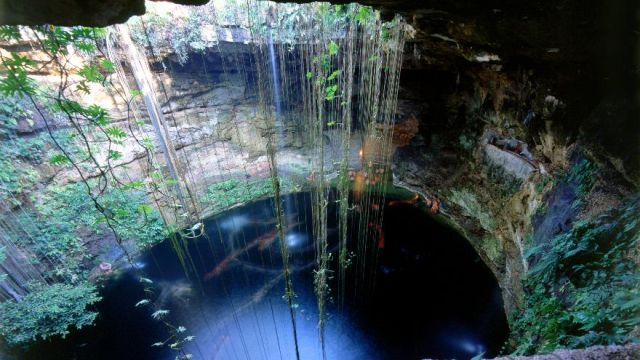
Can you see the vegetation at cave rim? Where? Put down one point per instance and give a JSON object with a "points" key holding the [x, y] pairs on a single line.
{"points": [[583, 287], [60, 226], [47, 311]]}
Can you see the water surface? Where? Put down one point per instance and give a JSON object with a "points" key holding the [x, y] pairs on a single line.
{"points": [[425, 294]]}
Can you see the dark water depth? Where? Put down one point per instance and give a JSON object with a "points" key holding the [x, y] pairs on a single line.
{"points": [[425, 294]]}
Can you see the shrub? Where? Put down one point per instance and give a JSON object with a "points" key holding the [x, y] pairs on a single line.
{"points": [[583, 287], [47, 311]]}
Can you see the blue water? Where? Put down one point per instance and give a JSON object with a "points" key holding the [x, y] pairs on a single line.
{"points": [[429, 296]]}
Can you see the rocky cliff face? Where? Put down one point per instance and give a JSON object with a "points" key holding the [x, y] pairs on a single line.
{"points": [[529, 73]]}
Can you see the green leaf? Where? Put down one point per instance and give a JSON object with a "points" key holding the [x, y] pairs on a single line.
{"points": [[107, 65], [59, 159], [91, 73], [115, 132], [68, 106], [334, 75], [386, 35], [134, 185], [17, 82], [115, 154], [9, 32], [330, 92], [363, 15], [145, 209], [309, 74], [333, 48], [148, 143], [47, 310], [85, 46], [17, 60]]}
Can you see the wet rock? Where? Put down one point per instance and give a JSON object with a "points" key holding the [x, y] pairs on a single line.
{"points": [[616, 352], [511, 163]]}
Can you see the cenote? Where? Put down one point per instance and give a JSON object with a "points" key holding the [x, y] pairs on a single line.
{"points": [[300, 180], [426, 294]]}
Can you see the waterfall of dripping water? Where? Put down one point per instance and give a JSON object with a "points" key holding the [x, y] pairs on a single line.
{"points": [[276, 92], [279, 126]]}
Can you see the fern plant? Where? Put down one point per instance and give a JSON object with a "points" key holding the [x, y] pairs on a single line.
{"points": [[582, 289]]}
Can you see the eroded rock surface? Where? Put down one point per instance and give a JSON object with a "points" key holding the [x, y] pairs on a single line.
{"points": [[627, 352]]}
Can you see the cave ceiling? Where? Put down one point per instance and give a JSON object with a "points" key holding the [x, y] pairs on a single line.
{"points": [[584, 51]]}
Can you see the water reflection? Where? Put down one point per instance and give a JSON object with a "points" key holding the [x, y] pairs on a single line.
{"points": [[430, 297]]}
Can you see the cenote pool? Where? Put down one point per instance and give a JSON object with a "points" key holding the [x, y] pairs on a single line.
{"points": [[427, 296]]}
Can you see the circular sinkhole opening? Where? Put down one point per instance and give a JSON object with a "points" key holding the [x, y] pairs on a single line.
{"points": [[413, 289]]}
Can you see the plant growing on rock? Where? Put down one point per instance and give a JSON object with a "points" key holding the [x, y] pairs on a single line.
{"points": [[582, 288]]}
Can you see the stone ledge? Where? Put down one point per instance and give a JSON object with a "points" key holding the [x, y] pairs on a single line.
{"points": [[612, 352]]}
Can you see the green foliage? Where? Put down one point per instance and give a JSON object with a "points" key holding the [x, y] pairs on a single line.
{"points": [[16, 174], [91, 73], [542, 183], [59, 39], [583, 174], [466, 142], [55, 41], [66, 219], [324, 62], [56, 231], [9, 32], [116, 132], [17, 82], [59, 159], [334, 75], [364, 14], [47, 311], [231, 192], [182, 35], [330, 92], [583, 287], [14, 180], [12, 109], [127, 209], [332, 47]]}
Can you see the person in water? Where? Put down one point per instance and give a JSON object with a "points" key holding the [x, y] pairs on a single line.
{"points": [[378, 228], [433, 205], [412, 201]]}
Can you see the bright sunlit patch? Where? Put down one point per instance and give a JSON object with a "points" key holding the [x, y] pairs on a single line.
{"points": [[234, 223], [468, 345], [296, 240], [166, 8]]}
